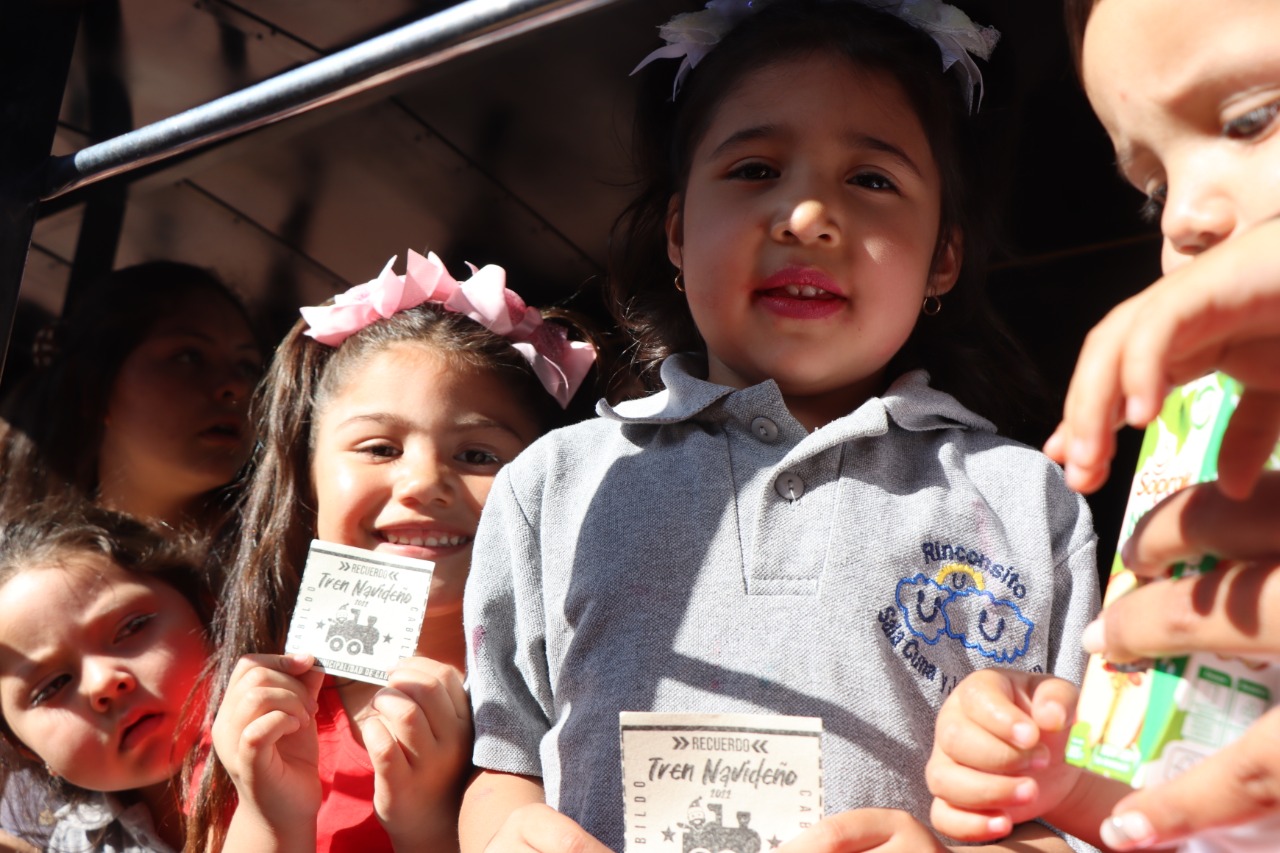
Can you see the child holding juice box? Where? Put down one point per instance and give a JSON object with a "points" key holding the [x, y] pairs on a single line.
{"points": [[1195, 126]]}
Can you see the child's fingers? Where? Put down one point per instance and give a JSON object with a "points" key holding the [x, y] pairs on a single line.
{"points": [[977, 790], [291, 664], [263, 733], [999, 702], [1055, 445], [970, 745], [1248, 443], [255, 672], [1201, 520], [1193, 318], [1234, 611], [1238, 784], [403, 719], [255, 685], [437, 688], [966, 825], [388, 759], [1053, 703], [1094, 405]]}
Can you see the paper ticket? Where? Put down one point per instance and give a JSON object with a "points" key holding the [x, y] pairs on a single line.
{"points": [[724, 783], [358, 611]]}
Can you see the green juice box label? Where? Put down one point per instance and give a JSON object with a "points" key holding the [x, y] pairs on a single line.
{"points": [[1145, 725]]}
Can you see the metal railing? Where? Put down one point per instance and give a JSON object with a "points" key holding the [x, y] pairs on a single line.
{"points": [[431, 41]]}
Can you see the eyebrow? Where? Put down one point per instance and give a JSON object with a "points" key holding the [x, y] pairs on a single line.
{"points": [[39, 659], [852, 140], [193, 333], [468, 423]]}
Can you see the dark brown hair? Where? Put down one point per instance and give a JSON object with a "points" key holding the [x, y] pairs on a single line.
{"points": [[278, 513], [1076, 14], [966, 350], [55, 415], [52, 533]]}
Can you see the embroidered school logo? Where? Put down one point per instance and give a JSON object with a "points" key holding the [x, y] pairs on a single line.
{"points": [[956, 604]]}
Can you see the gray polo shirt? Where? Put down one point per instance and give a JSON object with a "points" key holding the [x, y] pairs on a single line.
{"points": [[699, 551]]}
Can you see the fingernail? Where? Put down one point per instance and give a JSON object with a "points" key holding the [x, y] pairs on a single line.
{"points": [[1136, 412], [1082, 449], [1077, 476], [1025, 792], [1128, 831], [1000, 825], [1039, 757], [1053, 716], [1025, 734], [1094, 636]]}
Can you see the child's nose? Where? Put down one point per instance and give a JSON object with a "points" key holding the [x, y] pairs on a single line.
{"points": [[1195, 218], [105, 681], [808, 222], [425, 481]]}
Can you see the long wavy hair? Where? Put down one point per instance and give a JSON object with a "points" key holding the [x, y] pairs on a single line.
{"points": [[57, 531], [277, 514], [965, 348]]}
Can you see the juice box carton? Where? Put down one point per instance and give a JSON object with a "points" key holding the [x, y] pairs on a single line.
{"points": [[1146, 725]]}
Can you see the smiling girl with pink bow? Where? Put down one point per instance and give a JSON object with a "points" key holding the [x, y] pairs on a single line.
{"points": [[384, 418]]}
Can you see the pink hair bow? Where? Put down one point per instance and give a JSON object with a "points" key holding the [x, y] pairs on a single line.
{"points": [[559, 363]]}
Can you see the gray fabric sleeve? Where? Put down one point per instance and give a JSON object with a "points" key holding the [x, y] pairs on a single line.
{"points": [[1076, 603], [1076, 598], [506, 654]]}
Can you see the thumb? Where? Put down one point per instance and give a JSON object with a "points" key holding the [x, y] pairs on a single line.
{"points": [[1238, 785]]}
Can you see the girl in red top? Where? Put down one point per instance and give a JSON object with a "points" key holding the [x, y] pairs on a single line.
{"points": [[384, 418]]}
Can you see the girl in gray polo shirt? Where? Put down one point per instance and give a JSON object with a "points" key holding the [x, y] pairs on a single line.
{"points": [[809, 518]]}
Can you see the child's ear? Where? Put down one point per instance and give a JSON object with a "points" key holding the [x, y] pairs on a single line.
{"points": [[947, 263], [675, 232]]}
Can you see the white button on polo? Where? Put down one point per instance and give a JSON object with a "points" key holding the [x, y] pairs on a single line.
{"points": [[765, 430], [789, 486]]}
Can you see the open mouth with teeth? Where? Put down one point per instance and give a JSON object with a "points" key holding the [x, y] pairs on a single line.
{"points": [[800, 300], [802, 291], [434, 540]]}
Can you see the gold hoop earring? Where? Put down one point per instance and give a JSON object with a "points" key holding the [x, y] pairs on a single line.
{"points": [[679, 280], [931, 306]]}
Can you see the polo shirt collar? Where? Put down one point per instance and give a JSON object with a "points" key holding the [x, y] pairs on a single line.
{"points": [[909, 401]]}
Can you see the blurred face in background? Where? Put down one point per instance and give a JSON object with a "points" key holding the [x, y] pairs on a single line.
{"points": [[176, 424]]}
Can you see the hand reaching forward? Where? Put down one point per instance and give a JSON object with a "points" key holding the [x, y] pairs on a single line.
{"points": [[1219, 312]]}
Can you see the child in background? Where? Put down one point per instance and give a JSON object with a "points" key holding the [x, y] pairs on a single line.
{"points": [[1189, 93], [102, 641], [384, 418], [804, 521], [141, 404]]}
